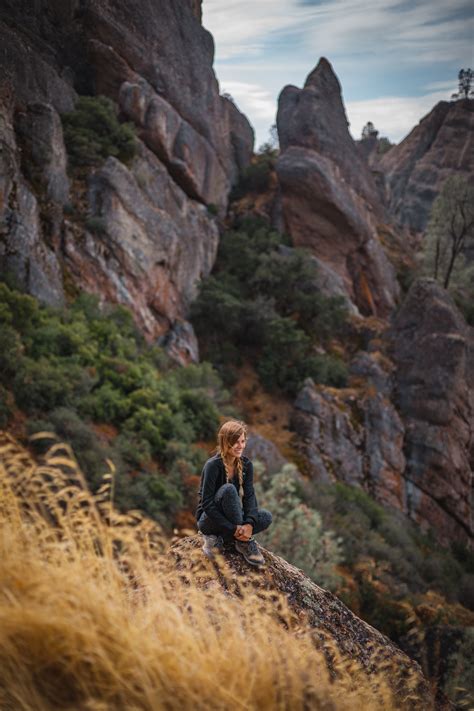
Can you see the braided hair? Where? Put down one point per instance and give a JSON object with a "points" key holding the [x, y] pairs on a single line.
{"points": [[227, 436]]}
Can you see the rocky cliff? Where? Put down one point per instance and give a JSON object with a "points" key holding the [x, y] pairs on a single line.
{"points": [[156, 237], [404, 429], [330, 201], [441, 145]]}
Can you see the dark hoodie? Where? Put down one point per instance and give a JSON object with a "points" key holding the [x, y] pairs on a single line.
{"points": [[213, 476]]}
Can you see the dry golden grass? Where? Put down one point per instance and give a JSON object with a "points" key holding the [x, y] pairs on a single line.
{"points": [[93, 617]]}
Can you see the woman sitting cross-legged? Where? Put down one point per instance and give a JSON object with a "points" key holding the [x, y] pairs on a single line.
{"points": [[222, 516]]}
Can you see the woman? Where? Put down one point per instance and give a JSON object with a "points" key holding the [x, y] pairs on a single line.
{"points": [[221, 515]]}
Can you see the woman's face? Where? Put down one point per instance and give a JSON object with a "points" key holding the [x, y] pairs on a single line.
{"points": [[237, 449]]}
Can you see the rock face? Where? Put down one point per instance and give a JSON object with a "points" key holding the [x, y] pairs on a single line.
{"points": [[145, 243], [404, 431], [330, 202], [153, 238], [441, 145], [23, 250], [433, 350], [333, 622], [355, 440]]}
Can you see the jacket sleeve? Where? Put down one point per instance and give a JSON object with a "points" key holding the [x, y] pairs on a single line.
{"points": [[208, 492], [249, 500]]}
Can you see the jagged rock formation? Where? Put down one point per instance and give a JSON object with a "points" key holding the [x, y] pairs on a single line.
{"points": [[156, 238], [441, 145], [357, 440], [329, 198], [404, 431], [335, 625], [433, 350]]}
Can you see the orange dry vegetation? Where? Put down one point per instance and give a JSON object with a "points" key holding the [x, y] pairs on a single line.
{"points": [[268, 414], [94, 617]]}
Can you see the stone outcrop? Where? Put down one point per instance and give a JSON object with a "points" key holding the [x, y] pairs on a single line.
{"points": [[354, 439], [145, 243], [265, 451], [140, 234], [329, 199], [24, 252], [433, 350], [441, 145], [404, 430], [336, 627]]}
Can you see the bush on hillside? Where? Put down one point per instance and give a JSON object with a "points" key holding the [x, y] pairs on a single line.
{"points": [[78, 369], [92, 133], [297, 532], [262, 303], [256, 177]]}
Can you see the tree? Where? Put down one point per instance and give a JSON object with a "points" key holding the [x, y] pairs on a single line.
{"points": [[369, 131], [450, 234], [298, 533], [271, 146], [464, 88]]}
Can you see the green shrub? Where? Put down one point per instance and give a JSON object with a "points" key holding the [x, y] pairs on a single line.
{"points": [[70, 366], [297, 532], [92, 133], [5, 409], [10, 352], [256, 177], [460, 678], [44, 385], [262, 303], [90, 452]]}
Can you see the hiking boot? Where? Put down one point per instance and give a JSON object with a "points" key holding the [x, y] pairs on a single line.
{"points": [[250, 551], [212, 544]]}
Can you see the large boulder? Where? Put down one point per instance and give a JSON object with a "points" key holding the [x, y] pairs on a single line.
{"points": [[329, 199], [433, 351], [441, 145], [337, 631]]}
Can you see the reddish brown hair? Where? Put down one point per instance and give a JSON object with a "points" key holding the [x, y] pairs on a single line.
{"points": [[227, 436]]}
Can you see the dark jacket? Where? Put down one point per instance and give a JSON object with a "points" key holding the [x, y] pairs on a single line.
{"points": [[213, 476]]}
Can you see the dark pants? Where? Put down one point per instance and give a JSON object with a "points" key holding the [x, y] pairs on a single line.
{"points": [[228, 501]]}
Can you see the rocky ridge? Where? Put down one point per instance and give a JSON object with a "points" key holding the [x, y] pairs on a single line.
{"points": [[404, 429], [441, 145], [329, 199], [155, 61]]}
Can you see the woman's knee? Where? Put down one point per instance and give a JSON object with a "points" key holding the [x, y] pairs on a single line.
{"points": [[264, 520], [227, 491]]}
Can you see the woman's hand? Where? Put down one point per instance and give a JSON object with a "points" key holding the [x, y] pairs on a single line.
{"points": [[244, 532]]}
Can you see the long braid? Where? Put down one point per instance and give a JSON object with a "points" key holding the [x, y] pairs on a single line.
{"points": [[230, 474], [228, 435]]}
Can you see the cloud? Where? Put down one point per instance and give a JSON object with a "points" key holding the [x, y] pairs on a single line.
{"points": [[252, 98], [242, 27], [415, 30], [405, 48], [392, 116]]}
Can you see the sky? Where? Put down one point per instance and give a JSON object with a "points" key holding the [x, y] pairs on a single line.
{"points": [[395, 59]]}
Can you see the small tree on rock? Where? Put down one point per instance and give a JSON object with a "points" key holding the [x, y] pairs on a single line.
{"points": [[449, 239], [369, 131], [464, 91]]}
